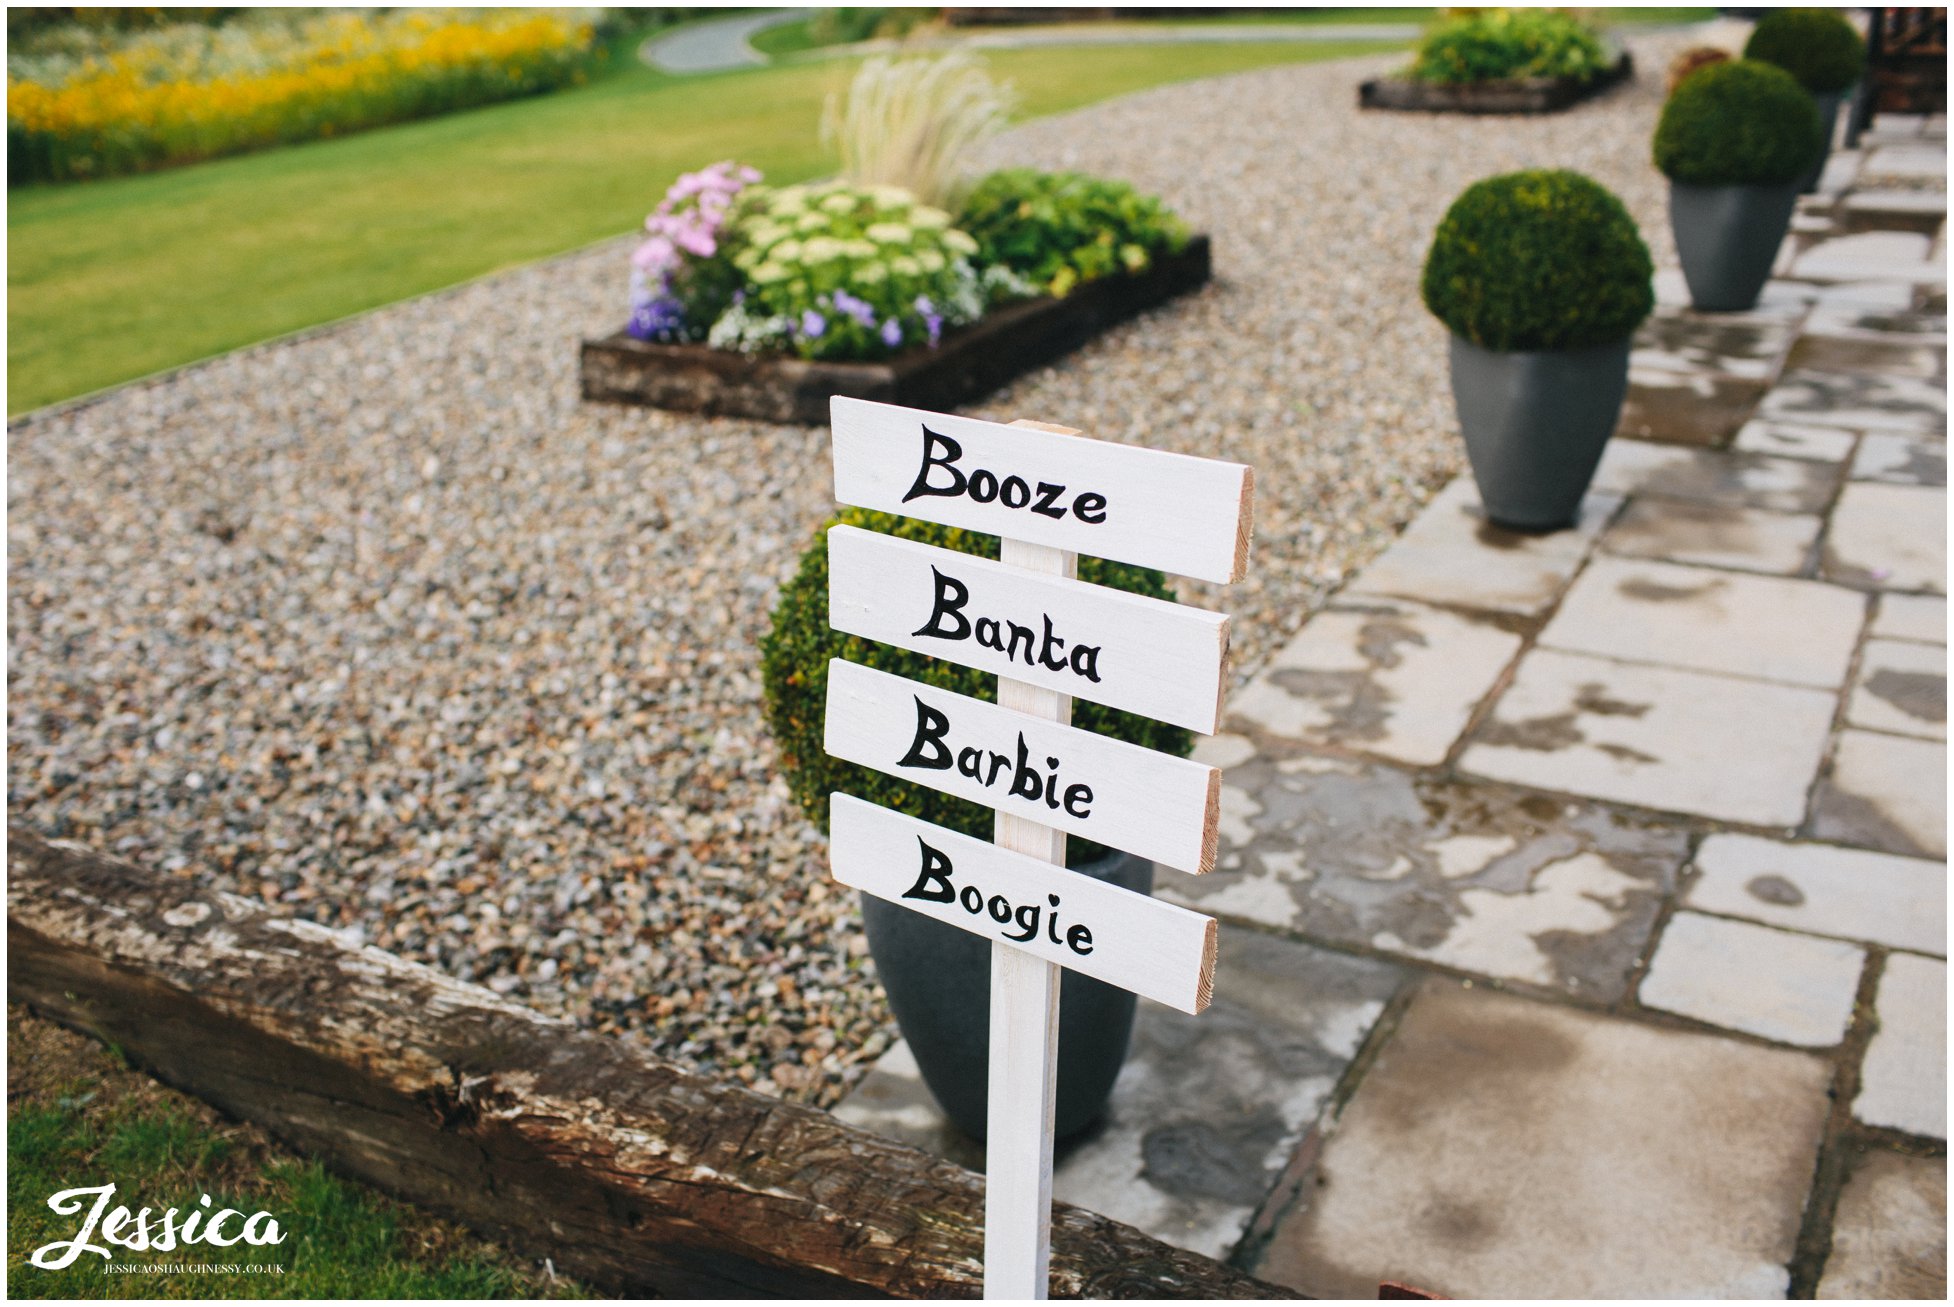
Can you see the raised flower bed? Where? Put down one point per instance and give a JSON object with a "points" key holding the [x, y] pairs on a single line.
{"points": [[760, 303], [1502, 61]]}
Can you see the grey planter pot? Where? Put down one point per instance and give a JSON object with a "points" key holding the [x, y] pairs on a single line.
{"points": [[1828, 103], [938, 981], [1535, 423], [1728, 238]]}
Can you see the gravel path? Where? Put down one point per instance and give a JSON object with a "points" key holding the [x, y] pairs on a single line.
{"points": [[385, 626]]}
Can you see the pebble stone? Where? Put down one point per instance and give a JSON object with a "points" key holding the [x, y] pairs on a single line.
{"points": [[383, 626]]}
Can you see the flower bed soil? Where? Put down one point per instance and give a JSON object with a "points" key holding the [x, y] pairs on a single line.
{"points": [[1519, 95], [967, 365]]}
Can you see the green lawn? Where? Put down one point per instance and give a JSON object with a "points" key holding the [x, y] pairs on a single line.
{"points": [[114, 279], [76, 1117]]}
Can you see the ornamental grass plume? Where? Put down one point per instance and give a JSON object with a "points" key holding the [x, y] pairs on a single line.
{"points": [[913, 123]]}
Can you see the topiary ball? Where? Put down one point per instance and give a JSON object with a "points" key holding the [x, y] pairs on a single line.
{"points": [[1539, 260], [1819, 47], [794, 675], [1739, 123]]}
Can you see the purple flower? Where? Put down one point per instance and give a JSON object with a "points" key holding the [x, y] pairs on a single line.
{"points": [[932, 320], [892, 333], [860, 310], [813, 324], [654, 319]]}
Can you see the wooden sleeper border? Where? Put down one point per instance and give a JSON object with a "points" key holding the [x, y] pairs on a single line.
{"points": [[968, 364], [635, 1175]]}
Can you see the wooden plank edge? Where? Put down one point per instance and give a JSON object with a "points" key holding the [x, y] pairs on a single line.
{"points": [[632, 1173]]}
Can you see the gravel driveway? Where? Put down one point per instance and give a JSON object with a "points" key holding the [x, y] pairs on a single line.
{"points": [[385, 626]]}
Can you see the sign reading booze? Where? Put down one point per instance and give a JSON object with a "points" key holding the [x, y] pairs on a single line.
{"points": [[1188, 516], [1049, 496]]}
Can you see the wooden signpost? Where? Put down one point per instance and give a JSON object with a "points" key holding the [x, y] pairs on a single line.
{"points": [[1050, 495]]}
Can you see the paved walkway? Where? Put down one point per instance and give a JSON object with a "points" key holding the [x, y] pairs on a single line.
{"points": [[1585, 895], [714, 46]]}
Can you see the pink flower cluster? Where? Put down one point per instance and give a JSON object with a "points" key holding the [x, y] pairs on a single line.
{"points": [[689, 218]]}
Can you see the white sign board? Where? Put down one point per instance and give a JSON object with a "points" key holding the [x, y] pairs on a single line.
{"points": [[1159, 659], [1130, 940], [1184, 515], [1151, 804]]}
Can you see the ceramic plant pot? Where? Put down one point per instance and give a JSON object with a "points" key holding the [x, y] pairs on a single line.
{"points": [[1728, 238], [1535, 423], [938, 982], [1828, 103]]}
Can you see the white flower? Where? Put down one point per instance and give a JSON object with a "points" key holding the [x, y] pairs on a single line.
{"points": [[811, 221], [904, 266], [890, 233], [929, 216], [959, 242], [787, 251], [838, 203], [930, 260], [891, 197], [768, 273]]}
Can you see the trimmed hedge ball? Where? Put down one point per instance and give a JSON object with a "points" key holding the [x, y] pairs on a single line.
{"points": [[794, 674], [1745, 122], [1819, 47], [1539, 260]]}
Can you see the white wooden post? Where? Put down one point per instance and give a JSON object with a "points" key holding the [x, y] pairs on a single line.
{"points": [[1024, 1021]]}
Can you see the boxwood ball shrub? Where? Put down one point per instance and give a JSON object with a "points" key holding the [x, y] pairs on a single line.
{"points": [[1819, 47], [1739, 123], [1497, 44], [1539, 260], [1061, 228], [794, 673]]}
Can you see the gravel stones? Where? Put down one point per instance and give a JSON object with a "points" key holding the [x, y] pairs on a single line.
{"points": [[382, 625]]}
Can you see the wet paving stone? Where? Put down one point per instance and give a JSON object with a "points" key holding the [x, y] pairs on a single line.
{"points": [[1686, 342], [1903, 1083], [1481, 877], [1783, 485], [1861, 401], [1655, 737], [1767, 628], [1900, 461], [1888, 538], [1452, 555], [1692, 408], [1821, 889], [1387, 677], [1889, 1236], [1871, 256], [1901, 688], [1207, 1110], [1780, 986], [1911, 617], [1885, 792], [1503, 1148], [1714, 535], [1821, 444], [1890, 358], [1900, 326]]}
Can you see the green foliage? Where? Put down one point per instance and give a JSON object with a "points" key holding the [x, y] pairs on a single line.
{"points": [[1819, 47], [846, 25], [1061, 228], [1499, 44], [1537, 260], [794, 670], [1744, 122]]}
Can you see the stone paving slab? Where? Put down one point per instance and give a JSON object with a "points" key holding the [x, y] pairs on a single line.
{"points": [[1898, 358], [1880, 326], [1911, 617], [1792, 989], [1822, 444], [1871, 256], [1714, 535], [1885, 792], [1861, 401], [1689, 408], [1686, 342], [1657, 737], [1207, 1110], [1784, 485], [1903, 1082], [1874, 200], [1504, 1148], [1902, 688], [1383, 676], [1888, 537], [1900, 460], [1481, 877], [1921, 161], [1452, 555], [1889, 1234], [1767, 628], [1821, 889]]}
